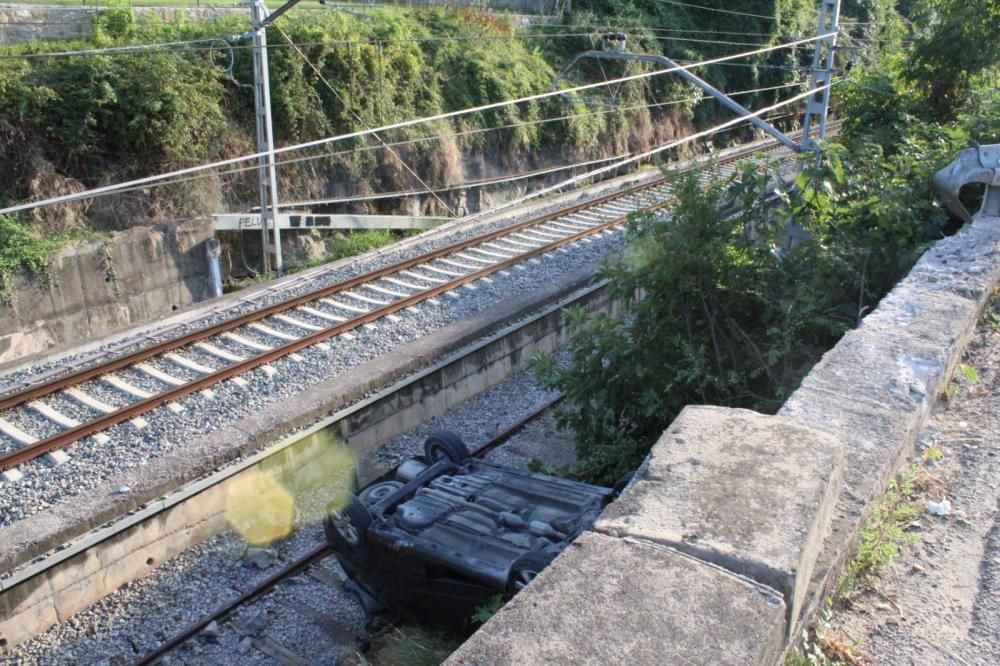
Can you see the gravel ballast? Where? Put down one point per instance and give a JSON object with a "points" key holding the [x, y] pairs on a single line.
{"points": [[136, 618], [91, 463]]}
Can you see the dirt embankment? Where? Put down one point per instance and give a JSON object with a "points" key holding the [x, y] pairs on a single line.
{"points": [[939, 602]]}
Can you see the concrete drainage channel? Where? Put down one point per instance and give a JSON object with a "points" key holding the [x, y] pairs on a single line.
{"points": [[73, 576]]}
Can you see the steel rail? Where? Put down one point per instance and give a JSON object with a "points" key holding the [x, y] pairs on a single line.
{"points": [[192, 630], [66, 437], [59, 383], [43, 389], [317, 553]]}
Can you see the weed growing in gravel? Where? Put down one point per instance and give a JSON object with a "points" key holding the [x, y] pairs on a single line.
{"points": [[350, 244], [969, 373], [821, 647], [488, 610], [883, 533], [410, 646], [821, 650], [932, 453], [965, 375]]}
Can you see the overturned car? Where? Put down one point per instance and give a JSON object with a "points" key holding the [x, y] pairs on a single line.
{"points": [[451, 532]]}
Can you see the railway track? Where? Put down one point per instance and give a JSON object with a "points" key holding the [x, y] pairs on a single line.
{"points": [[123, 388], [310, 566]]}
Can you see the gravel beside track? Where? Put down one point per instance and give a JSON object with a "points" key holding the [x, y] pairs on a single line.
{"points": [[136, 618], [306, 282], [92, 463]]}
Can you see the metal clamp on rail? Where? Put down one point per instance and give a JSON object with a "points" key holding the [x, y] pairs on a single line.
{"points": [[979, 164]]}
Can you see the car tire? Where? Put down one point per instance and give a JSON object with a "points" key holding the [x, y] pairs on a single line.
{"points": [[346, 529], [445, 444], [524, 569]]}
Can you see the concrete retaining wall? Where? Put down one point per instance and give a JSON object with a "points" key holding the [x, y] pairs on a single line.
{"points": [[97, 287], [738, 523], [293, 473]]}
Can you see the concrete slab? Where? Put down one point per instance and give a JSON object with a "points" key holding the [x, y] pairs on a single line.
{"points": [[876, 388], [746, 491], [56, 458], [616, 601], [12, 475]]}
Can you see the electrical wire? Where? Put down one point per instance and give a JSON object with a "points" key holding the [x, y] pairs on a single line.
{"points": [[359, 119], [108, 189], [479, 130], [721, 11], [479, 182], [113, 50], [783, 68], [142, 49], [644, 29], [649, 153]]}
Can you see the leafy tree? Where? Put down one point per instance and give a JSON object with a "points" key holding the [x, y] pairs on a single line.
{"points": [[956, 40]]}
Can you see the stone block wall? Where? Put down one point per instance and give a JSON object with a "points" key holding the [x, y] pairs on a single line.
{"points": [[737, 524]]}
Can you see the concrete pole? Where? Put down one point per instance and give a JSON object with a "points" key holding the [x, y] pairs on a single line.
{"points": [[267, 177]]}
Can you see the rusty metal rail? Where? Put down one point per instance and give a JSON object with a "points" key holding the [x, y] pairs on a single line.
{"points": [[34, 392], [316, 554], [220, 613], [66, 437]]}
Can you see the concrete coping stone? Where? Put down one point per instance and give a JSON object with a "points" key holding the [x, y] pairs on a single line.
{"points": [[878, 384], [624, 601], [746, 491], [759, 505]]}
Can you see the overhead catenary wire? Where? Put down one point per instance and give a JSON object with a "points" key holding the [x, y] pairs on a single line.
{"points": [[166, 177], [645, 29], [475, 183], [469, 132], [720, 11], [655, 151], [480, 182], [360, 120], [132, 49]]}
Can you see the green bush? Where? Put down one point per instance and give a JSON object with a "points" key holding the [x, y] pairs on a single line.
{"points": [[23, 253], [724, 310], [719, 314]]}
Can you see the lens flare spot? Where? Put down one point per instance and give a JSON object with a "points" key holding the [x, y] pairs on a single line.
{"points": [[259, 508]]}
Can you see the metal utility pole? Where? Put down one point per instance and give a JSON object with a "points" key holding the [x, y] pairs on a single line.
{"points": [[822, 72], [266, 174]]}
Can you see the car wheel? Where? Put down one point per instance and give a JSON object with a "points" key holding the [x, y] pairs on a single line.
{"points": [[445, 444], [346, 528], [525, 569]]}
